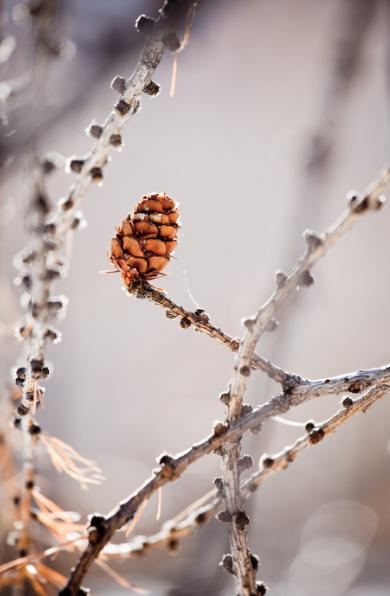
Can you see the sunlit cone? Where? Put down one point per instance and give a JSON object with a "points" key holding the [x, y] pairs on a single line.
{"points": [[146, 239]]}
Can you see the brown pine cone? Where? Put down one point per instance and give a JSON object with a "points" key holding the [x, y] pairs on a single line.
{"points": [[146, 239]]}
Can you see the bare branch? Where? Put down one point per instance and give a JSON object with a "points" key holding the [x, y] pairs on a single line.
{"points": [[47, 258], [241, 562], [102, 528], [317, 246], [205, 508], [201, 322]]}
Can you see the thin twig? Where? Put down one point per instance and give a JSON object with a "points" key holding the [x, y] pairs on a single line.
{"points": [[102, 528], [47, 258], [201, 322], [43, 264], [317, 246], [204, 509], [241, 563], [199, 514]]}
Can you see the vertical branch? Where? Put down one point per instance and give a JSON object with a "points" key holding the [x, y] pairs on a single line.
{"points": [[37, 269], [242, 563], [35, 335], [46, 259]]}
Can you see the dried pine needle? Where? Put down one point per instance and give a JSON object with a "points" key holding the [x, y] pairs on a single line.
{"points": [[66, 459], [136, 518]]}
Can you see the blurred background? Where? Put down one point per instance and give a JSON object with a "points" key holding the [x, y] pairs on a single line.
{"points": [[280, 109]]}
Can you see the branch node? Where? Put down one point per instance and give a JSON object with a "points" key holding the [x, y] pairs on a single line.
{"points": [[249, 323], [97, 527], [95, 130], [256, 429], [272, 325], [224, 516], [241, 520], [356, 386], [312, 239], [220, 428], [76, 164], [244, 463], [119, 84], [227, 563], [316, 435], [202, 315], [305, 279], [17, 422], [144, 23], [21, 373], [116, 140], [168, 466], [267, 462], [173, 546], [245, 370], [280, 279], [218, 483], [255, 561], [34, 429], [347, 403], [246, 409], [381, 201], [96, 174], [152, 89], [310, 426], [185, 322], [290, 383], [172, 41], [66, 203], [200, 518], [353, 198], [225, 398], [22, 410], [50, 161], [122, 107]]}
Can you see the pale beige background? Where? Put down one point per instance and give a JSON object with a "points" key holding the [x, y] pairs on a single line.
{"points": [[129, 383]]}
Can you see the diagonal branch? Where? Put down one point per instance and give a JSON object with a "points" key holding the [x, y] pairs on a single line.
{"points": [[317, 246], [205, 508], [47, 258], [102, 528], [241, 562], [201, 322]]}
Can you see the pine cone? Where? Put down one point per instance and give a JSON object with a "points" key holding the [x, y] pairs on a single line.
{"points": [[146, 239]]}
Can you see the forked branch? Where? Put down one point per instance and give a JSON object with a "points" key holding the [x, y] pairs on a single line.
{"points": [[317, 245], [205, 508], [102, 528]]}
